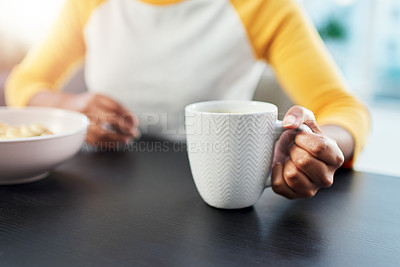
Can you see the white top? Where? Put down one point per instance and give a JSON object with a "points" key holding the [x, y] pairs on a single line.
{"points": [[162, 65]]}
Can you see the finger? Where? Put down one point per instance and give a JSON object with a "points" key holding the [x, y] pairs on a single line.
{"points": [[128, 123], [321, 147], [90, 139], [94, 141], [103, 135], [100, 145], [124, 123], [298, 181], [111, 105], [279, 185], [117, 124], [316, 170], [283, 145], [297, 116]]}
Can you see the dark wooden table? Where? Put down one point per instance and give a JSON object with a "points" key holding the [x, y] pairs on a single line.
{"points": [[141, 208]]}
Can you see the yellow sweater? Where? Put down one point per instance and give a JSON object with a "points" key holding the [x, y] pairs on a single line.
{"points": [[156, 56]]}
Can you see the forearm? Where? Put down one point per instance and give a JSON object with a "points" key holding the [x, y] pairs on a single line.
{"points": [[57, 100], [343, 138]]}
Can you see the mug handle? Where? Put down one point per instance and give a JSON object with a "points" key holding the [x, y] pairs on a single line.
{"points": [[278, 132]]}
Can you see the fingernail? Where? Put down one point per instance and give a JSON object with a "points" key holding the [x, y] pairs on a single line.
{"points": [[138, 133], [288, 121], [135, 133]]}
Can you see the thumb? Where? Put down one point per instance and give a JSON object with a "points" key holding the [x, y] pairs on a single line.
{"points": [[297, 116]]}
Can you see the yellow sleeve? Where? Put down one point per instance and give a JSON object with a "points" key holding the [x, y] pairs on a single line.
{"points": [[48, 65], [282, 35]]}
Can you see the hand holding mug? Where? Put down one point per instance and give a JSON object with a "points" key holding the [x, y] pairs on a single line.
{"points": [[304, 162], [230, 148]]}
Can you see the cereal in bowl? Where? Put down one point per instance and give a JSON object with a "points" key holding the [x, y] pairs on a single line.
{"points": [[23, 131]]}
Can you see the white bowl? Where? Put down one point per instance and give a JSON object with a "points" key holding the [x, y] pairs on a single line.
{"points": [[29, 159]]}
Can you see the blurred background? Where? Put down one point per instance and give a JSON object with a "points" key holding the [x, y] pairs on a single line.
{"points": [[362, 35], [364, 38]]}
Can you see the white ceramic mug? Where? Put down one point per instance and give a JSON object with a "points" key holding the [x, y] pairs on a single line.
{"points": [[230, 147]]}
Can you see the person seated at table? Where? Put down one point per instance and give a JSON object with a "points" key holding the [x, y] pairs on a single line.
{"points": [[146, 60]]}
